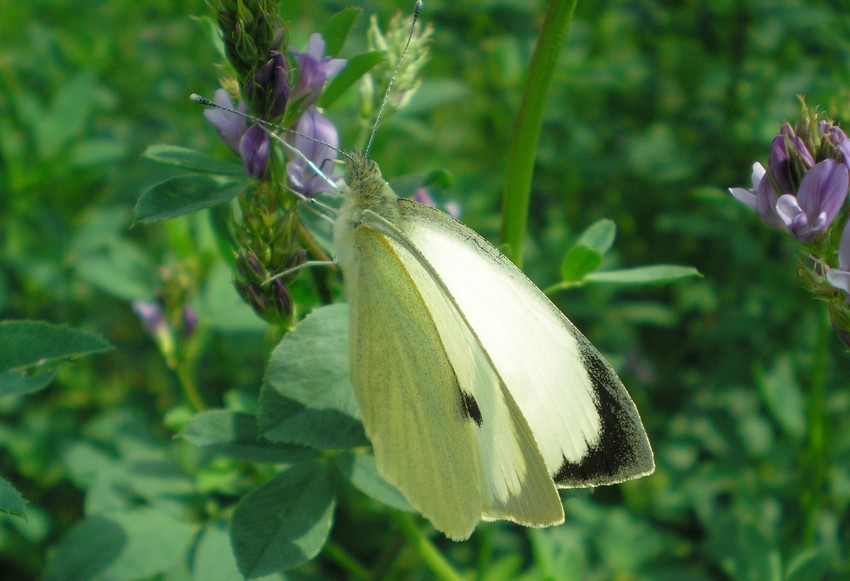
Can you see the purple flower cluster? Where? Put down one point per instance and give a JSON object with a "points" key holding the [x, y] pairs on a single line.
{"points": [[271, 91], [803, 191], [805, 184]]}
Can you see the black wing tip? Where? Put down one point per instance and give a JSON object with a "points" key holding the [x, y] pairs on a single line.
{"points": [[622, 451]]}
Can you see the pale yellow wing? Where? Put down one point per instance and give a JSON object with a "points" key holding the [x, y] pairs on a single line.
{"points": [[444, 428]]}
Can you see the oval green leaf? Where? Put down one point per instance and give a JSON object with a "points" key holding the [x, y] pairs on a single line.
{"points": [[337, 29], [192, 159], [306, 396], [354, 69], [285, 522], [656, 274], [599, 236], [25, 344], [11, 500], [183, 194], [119, 547], [235, 434], [578, 262]]}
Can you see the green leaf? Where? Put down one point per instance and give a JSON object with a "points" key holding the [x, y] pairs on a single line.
{"points": [[24, 382], [71, 107], [235, 434], [224, 238], [362, 471], [578, 262], [655, 274], [127, 545], [599, 236], [742, 549], [183, 194], [92, 152], [809, 565], [355, 68], [11, 500], [337, 29], [306, 396], [192, 160], [285, 522], [214, 559], [25, 344], [120, 268], [784, 396]]}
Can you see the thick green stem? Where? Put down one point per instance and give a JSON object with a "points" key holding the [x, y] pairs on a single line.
{"points": [[426, 550], [527, 126]]}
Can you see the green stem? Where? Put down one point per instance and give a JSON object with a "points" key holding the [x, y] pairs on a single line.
{"points": [[190, 388], [816, 461], [527, 125], [353, 568], [426, 550]]}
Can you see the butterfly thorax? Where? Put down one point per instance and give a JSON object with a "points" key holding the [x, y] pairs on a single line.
{"points": [[367, 189]]}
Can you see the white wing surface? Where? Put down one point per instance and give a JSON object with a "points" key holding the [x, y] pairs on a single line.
{"points": [[583, 420]]}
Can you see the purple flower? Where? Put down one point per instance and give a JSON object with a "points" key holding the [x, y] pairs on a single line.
{"points": [[761, 197], [230, 127], [251, 143], [151, 315], [190, 321], [254, 150], [840, 277], [270, 86], [312, 126], [821, 194], [314, 69]]}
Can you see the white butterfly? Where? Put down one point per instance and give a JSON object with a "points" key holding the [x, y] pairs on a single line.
{"points": [[479, 396]]}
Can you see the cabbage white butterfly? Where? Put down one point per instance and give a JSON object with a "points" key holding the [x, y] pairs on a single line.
{"points": [[479, 396]]}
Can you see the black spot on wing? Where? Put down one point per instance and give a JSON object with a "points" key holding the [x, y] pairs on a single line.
{"points": [[470, 408], [620, 451]]}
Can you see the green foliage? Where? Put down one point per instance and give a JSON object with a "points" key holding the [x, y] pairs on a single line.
{"points": [[654, 109], [354, 69], [285, 522], [183, 194], [306, 396]]}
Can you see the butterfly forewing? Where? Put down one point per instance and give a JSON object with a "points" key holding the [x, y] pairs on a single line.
{"points": [[583, 420], [514, 480]]}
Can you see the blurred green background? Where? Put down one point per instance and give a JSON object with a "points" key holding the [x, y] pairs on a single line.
{"points": [[657, 108]]}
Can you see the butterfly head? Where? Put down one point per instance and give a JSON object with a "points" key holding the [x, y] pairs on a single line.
{"points": [[367, 188]]}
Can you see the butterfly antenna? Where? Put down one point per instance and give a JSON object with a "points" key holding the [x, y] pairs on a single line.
{"points": [[417, 8]]}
